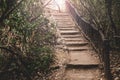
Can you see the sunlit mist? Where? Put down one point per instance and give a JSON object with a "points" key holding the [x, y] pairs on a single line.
{"points": [[61, 4]]}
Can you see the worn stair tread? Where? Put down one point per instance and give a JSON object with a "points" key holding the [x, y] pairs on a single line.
{"points": [[83, 48], [83, 58], [62, 17], [71, 36], [73, 27], [70, 27], [69, 32], [61, 23], [65, 22], [60, 14], [82, 74], [65, 26], [73, 39], [68, 19], [76, 43], [63, 13], [66, 29], [80, 78]]}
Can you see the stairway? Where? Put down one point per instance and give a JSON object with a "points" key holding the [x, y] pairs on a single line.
{"points": [[83, 63]]}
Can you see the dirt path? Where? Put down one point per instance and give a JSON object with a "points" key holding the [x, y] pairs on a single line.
{"points": [[81, 62]]}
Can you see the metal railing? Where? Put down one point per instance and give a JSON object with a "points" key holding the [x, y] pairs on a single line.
{"points": [[96, 37]]}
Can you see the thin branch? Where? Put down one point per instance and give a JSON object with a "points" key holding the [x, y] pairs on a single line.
{"points": [[7, 13], [46, 3]]}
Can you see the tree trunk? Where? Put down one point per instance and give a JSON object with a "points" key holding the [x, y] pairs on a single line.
{"points": [[106, 59]]}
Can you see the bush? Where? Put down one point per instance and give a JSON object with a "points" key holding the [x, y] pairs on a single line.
{"points": [[26, 42]]}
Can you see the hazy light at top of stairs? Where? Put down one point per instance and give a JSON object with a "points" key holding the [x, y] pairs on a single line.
{"points": [[61, 4]]}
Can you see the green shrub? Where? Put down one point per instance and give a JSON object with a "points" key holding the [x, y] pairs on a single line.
{"points": [[26, 42]]}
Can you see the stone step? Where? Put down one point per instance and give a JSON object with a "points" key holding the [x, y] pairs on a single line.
{"points": [[85, 58], [69, 18], [80, 78], [66, 29], [73, 39], [82, 74], [71, 36], [76, 43], [65, 26], [69, 32], [64, 16], [80, 48], [64, 20], [66, 23], [60, 14]]}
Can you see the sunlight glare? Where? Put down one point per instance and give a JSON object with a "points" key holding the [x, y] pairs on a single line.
{"points": [[61, 3]]}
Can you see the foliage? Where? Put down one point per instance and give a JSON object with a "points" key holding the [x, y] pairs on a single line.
{"points": [[26, 42], [116, 15], [101, 16]]}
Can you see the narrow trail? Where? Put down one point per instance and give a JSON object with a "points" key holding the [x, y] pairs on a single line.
{"points": [[83, 63]]}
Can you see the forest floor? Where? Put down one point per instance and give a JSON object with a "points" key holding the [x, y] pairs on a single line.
{"points": [[115, 64]]}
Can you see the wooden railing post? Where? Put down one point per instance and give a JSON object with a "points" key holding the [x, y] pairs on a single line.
{"points": [[106, 59]]}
